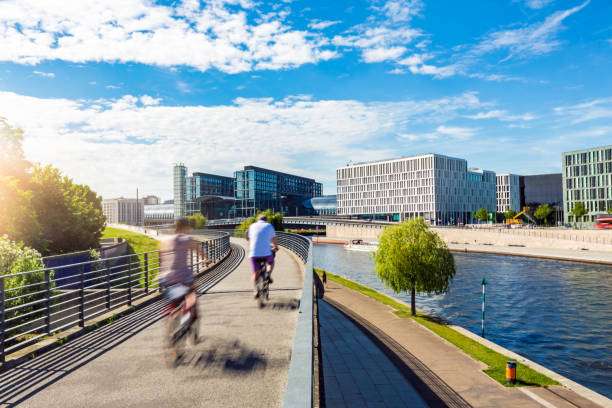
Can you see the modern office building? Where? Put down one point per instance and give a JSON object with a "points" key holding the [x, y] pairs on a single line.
{"points": [[158, 214], [151, 200], [123, 211], [508, 193], [207, 188], [180, 172], [260, 189], [541, 189], [439, 188], [324, 205], [587, 178]]}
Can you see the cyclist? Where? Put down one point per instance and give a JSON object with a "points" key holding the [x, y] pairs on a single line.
{"points": [[176, 274], [262, 241]]}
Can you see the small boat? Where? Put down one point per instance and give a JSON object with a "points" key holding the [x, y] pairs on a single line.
{"points": [[360, 245]]}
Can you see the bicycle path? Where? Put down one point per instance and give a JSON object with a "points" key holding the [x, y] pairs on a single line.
{"points": [[242, 359]]}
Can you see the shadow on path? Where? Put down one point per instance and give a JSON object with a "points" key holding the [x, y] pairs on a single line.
{"points": [[25, 380]]}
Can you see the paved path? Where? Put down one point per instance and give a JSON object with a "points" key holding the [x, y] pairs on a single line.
{"points": [[356, 372], [443, 367], [241, 361]]}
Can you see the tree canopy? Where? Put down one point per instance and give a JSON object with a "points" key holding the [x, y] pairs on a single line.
{"points": [[42, 208], [197, 221], [579, 210], [510, 214], [542, 212], [411, 256], [482, 215], [276, 219]]}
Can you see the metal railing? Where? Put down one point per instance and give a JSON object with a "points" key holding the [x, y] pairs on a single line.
{"points": [[36, 304]]}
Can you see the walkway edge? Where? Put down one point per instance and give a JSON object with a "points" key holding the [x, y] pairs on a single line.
{"points": [[566, 382]]}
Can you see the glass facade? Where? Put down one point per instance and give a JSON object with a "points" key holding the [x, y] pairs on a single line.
{"points": [[325, 205], [180, 171], [587, 178], [201, 185], [261, 189]]}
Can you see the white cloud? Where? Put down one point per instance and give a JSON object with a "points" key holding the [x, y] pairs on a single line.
{"points": [[116, 145], [596, 109], [112, 87], [401, 10], [533, 39], [456, 132], [382, 54], [322, 24], [44, 74], [537, 4], [502, 115], [220, 34]]}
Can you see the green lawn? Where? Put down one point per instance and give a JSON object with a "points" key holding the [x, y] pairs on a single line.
{"points": [[496, 361], [139, 242]]}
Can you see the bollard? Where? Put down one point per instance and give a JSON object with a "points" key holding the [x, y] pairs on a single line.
{"points": [[511, 372]]}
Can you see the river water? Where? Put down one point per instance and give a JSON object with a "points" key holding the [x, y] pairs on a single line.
{"points": [[556, 313]]}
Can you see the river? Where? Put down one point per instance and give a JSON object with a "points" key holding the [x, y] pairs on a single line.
{"points": [[556, 313]]}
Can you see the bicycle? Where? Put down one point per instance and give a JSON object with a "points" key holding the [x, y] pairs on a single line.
{"points": [[181, 318], [262, 281]]}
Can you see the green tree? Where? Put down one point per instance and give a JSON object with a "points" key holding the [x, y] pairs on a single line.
{"points": [[510, 214], [482, 215], [542, 212], [609, 211], [197, 221], [70, 215], [412, 257], [12, 160], [579, 211], [276, 219]]}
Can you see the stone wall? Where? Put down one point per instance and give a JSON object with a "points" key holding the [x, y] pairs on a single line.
{"points": [[595, 240]]}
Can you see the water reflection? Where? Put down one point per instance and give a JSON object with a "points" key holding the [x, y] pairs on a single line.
{"points": [[555, 313]]}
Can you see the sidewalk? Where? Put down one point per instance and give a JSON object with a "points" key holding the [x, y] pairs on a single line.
{"points": [[455, 368]]}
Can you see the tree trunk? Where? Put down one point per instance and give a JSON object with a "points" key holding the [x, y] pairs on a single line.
{"points": [[412, 302]]}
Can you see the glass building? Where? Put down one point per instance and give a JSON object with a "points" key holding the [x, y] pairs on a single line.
{"points": [[324, 205], [180, 171], [260, 189], [204, 187], [587, 178]]}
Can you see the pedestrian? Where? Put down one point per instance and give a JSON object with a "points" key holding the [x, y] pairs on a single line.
{"points": [[324, 278]]}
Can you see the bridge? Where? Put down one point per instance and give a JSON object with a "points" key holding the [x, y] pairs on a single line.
{"points": [[96, 338]]}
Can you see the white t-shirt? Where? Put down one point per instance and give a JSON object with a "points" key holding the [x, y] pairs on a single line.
{"points": [[260, 233]]}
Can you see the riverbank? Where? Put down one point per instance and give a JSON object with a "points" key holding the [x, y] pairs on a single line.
{"points": [[461, 372], [572, 255]]}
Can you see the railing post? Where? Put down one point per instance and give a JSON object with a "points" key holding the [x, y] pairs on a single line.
{"points": [[2, 316], [197, 261], [48, 301], [129, 290], [146, 265], [108, 292], [82, 297], [191, 259]]}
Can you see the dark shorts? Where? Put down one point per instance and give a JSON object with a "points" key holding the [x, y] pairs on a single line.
{"points": [[257, 259]]}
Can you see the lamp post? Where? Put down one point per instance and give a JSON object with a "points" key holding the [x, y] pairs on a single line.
{"points": [[484, 283]]}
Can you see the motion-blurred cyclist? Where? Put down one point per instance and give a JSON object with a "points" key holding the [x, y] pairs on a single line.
{"points": [[262, 242]]}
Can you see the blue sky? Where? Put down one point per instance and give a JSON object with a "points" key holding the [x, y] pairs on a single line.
{"points": [[115, 92]]}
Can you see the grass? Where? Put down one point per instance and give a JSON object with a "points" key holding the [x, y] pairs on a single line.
{"points": [[139, 242], [496, 362]]}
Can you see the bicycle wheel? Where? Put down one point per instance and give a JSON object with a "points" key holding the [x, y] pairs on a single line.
{"points": [[176, 338]]}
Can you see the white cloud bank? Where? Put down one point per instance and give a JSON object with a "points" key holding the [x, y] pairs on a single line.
{"points": [[203, 37], [120, 144]]}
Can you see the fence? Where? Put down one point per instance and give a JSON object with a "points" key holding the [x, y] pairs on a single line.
{"points": [[36, 304]]}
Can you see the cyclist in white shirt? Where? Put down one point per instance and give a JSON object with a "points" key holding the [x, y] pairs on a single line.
{"points": [[262, 242]]}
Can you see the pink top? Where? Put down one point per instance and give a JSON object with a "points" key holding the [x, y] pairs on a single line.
{"points": [[175, 266]]}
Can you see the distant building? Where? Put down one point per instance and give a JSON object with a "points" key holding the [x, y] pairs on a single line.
{"points": [[123, 211], [541, 189], [508, 193], [158, 214], [151, 200], [439, 188], [260, 189], [587, 178], [180, 172], [324, 205], [205, 187]]}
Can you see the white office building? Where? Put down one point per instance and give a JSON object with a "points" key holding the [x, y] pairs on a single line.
{"points": [[508, 193], [439, 188], [123, 211]]}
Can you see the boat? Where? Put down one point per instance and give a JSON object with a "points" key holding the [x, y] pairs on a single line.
{"points": [[360, 245]]}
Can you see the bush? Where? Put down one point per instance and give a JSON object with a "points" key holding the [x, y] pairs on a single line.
{"points": [[276, 219], [197, 221]]}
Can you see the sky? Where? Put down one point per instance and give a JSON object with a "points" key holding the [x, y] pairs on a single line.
{"points": [[115, 92]]}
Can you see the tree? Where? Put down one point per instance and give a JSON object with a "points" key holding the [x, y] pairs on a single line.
{"points": [[411, 256], [276, 219], [12, 160], [542, 212], [609, 211], [482, 214], [197, 221], [510, 214], [579, 210], [70, 215]]}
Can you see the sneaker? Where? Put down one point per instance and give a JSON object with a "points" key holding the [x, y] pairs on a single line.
{"points": [[255, 295], [270, 281]]}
